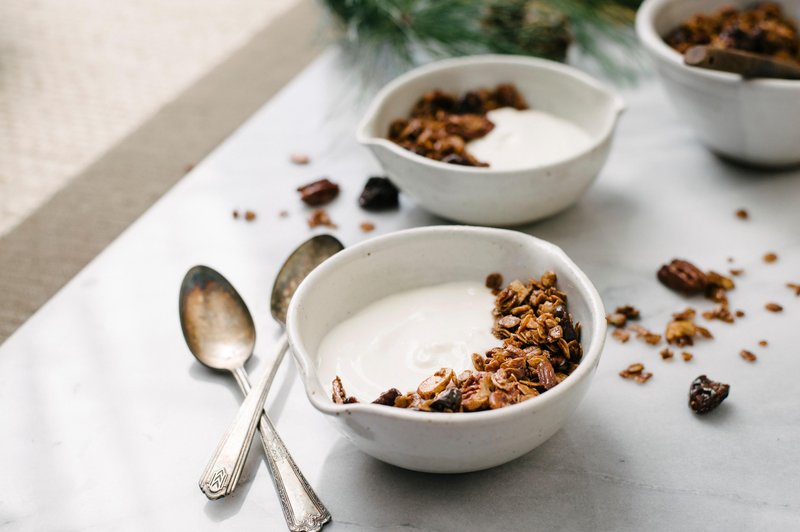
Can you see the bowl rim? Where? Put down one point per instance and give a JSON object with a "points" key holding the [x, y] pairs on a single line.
{"points": [[617, 105], [584, 287], [645, 29]]}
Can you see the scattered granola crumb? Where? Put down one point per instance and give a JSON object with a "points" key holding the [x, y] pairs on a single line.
{"points": [[235, 214], [367, 226], [630, 312], [682, 330], [687, 356], [666, 353], [742, 214], [773, 307], [617, 320], [300, 158], [795, 287], [747, 355], [621, 334], [646, 335], [636, 373], [320, 217], [720, 312], [739, 313], [763, 343], [770, 257], [736, 271], [249, 216], [283, 214]]}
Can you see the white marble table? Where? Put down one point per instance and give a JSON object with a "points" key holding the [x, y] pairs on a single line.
{"points": [[107, 420]]}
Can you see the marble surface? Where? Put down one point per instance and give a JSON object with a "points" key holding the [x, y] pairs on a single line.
{"points": [[107, 420]]}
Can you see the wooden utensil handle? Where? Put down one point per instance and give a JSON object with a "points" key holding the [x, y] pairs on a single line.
{"points": [[748, 64]]}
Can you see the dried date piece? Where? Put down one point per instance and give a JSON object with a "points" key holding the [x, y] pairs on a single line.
{"points": [[447, 401], [388, 397], [705, 395], [682, 276], [379, 194], [319, 192]]}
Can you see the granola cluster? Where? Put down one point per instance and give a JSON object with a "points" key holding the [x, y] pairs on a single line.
{"points": [[763, 29], [541, 347], [441, 123]]}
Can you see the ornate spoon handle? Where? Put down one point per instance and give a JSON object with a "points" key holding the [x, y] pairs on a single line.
{"points": [[222, 472], [302, 509]]}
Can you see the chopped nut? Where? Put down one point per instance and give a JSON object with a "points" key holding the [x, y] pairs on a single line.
{"points": [[319, 192], [682, 276], [666, 353], [742, 214], [747, 355], [763, 343], [705, 395], [682, 330], [770, 258], [320, 217], [687, 356], [299, 158], [720, 312], [339, 395], [367, 226], [773, 307], [249, 216], [621, 334], [435, 383]]}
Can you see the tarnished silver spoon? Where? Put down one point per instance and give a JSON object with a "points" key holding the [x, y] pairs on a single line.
{"points": [[219, 331]]}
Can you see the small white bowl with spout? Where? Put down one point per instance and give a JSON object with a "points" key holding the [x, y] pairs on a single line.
{"points": [[415, 258], [484, 196]]}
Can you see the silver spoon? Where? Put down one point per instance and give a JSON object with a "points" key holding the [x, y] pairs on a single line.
{"points": [[219, 331]]}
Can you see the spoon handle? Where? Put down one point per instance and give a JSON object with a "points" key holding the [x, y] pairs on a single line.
{"points": [[302, 509], [222, 472]]}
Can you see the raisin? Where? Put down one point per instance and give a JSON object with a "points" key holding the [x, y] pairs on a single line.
{"points": [[379, 194], [449, 399], [705, 395]]}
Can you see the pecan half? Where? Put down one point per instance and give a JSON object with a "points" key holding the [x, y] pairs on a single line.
{"points": [[682, 276]]}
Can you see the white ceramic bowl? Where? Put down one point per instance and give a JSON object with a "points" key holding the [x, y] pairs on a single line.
{"points": [[483, 196], [376, 268], [754, 121]]}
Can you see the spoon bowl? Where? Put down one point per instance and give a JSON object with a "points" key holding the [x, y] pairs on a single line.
{"points": [[216, 323]]}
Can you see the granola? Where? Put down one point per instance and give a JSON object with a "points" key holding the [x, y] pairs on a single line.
{"points": [[440, 123], [540, 348]]}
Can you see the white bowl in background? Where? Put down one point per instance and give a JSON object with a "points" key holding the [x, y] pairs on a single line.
{"points": [[484, 196], [750, 121], [404, 260]]}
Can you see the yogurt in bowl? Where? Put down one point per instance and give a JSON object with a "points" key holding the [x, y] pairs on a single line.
{"points": [[399, 270], [553, 162]]}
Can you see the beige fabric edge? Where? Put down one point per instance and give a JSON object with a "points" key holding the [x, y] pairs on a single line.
{"points": [[54, 243]]}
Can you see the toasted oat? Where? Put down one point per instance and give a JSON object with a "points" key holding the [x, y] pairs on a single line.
{"points": [[646, 335], [299, 158], [763, 343], [742, 214], [621, 334], [666, 353], [320, 217], [367, 227], [736, 272], [770, 257], [687, 356], [773, 307]]}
